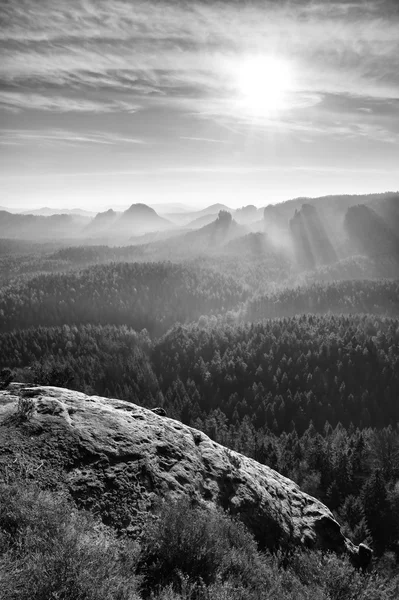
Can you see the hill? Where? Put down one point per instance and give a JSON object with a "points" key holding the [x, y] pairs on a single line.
{"points": [[371, 234], [139, 219], [202, 221], [218, 233], [189, 216], [32, 227], [101, 223], [46, 211]]}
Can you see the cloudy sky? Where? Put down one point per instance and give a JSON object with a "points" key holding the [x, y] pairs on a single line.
{"points": [[109, 102]]}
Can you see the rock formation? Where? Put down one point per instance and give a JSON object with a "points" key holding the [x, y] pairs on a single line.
{"points": [[119, 460], [370, 234], [312, 244]]}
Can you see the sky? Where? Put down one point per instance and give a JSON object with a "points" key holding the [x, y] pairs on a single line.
{"points": [[110, 102]]}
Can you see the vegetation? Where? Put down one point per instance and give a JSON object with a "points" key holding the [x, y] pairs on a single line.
{"points": [[6, 376], [148, 295], [48, 549]]}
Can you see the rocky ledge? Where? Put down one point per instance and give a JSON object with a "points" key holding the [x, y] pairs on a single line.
{"points": [[120, 460]]}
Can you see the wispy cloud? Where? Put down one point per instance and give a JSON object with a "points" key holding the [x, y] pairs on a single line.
{"points": [[160, 47], [204, 139], [119, 56], [23, 137], [16, 101]]}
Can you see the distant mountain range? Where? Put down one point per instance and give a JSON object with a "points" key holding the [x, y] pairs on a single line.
{"points": [[40, 228], [48, 212], [311, 233], [188, 217], [137, 220]]}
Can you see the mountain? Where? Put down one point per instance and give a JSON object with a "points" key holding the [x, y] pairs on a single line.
{"points": [[139, 219], [122, 459], [312, 245], [388, 209], [247, 214], [370, 233], [185, 218], [331, 207], [214, 208], [101, 222], [319, 232], [47, 212], [170, 207], [216, 234], [202, 221], [32, 227]]}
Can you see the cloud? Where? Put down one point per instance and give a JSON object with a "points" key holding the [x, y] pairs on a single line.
{"points": [[16, 137], [203, 139], [106, 56], [161, 44], [16, 101]]}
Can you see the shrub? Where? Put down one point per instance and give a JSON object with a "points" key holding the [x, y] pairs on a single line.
{"points": [[202, 545], [50, 550], [6, 377], [196, 554], [25, 408]]}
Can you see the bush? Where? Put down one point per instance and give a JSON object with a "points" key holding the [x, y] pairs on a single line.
{"points": [[201, 554], [198, 545], [6, 377], [25, 408], [50, 550]]}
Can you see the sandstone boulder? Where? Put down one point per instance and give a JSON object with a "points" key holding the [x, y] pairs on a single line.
{"points": [[120, 460]]}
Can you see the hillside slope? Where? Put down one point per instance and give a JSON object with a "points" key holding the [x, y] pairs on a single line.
{"points": [[119, 459]]}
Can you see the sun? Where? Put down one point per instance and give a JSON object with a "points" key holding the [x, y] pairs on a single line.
{"points": [[263, 84]]}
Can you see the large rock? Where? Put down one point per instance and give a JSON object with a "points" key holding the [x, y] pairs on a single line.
{"points": [[119, 460]]}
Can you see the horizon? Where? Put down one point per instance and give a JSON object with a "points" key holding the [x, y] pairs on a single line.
{"points": [[113, 103], [179, 208]]}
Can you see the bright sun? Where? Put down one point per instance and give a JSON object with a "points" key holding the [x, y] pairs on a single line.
{"points": [[263, 84]]}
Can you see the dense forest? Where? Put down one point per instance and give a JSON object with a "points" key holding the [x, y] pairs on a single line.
{"points": [[141, 295], [156, 296], [353, 296]]}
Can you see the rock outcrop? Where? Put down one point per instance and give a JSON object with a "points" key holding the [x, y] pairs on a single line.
{"points": [[311, 241], [119, 460]]}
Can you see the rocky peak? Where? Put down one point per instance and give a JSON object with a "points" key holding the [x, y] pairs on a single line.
{"points": [[311, 240]]}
